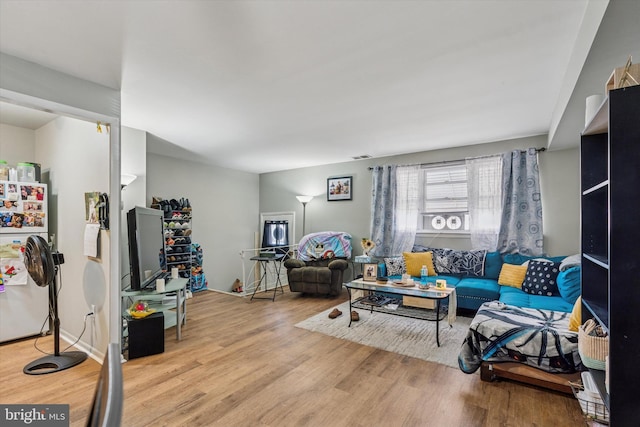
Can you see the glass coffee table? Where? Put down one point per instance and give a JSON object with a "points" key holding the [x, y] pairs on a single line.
{"points": [[376, 302]]}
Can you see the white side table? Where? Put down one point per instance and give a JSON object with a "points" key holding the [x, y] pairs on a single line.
{"points": [[176, 318]]}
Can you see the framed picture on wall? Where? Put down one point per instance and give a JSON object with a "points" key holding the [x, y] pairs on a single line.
{"points": [[370, 272], [339, 189]]}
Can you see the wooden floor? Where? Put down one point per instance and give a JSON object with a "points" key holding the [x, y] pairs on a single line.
{"points": [[244, 363]]}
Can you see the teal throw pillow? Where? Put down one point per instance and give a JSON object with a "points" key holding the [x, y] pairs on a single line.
{"points": [[382, 269], [569, 284], [492, 265], [519, 259]]}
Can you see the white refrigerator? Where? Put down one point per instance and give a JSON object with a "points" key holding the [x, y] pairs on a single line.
{"points": [[24, 306]]}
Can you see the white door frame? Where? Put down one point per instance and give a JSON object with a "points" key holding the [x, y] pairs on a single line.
{"points": [[278, 216]]}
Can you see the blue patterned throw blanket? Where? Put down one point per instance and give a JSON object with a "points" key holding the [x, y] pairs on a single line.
{"points": [[504, 333]]}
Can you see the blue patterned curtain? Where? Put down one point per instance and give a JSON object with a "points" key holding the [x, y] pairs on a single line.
{"points": [[394, 209], [521, 224]]}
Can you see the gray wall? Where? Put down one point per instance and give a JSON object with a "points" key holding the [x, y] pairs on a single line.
{"points": [[559, 182], [225, 210], [134, 162], [618, 37], [16, 144]]}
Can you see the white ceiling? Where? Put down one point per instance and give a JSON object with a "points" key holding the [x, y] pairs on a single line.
{"points": [[274, 85], [24, 117]]}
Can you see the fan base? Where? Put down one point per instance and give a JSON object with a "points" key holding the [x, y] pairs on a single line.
{"points": [[54, 363]]}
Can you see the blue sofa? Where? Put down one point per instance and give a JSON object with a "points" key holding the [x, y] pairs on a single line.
{"points": [[481, 285]]}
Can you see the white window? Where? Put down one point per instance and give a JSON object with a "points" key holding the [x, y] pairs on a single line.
{"points": [[444, 207]]}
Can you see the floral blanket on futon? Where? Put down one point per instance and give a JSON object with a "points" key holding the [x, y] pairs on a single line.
{"points": [[504, 333]]}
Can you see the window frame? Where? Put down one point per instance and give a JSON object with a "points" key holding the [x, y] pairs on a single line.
{"points": [[424, 213]]}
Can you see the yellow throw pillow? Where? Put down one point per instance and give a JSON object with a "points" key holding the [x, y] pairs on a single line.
{"points": [[415, 260], [512, 275], [575, 320]]}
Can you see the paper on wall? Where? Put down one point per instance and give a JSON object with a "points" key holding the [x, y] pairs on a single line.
{"points": [[91, 242]]}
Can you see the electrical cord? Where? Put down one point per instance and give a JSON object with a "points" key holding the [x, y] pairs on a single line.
{"points": [[58, 272], [48, 318], [84, 328], [35, 343]]}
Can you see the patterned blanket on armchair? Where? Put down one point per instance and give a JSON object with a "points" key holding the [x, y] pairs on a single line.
{"points": [[504, 333], [324, 244]]}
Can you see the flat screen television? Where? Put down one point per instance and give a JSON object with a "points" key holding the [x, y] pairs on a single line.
{"points": [[146, 246], [276, 235]]}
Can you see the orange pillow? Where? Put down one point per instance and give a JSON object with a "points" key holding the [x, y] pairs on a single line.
{"points": [[415, 260], [512, 275]]}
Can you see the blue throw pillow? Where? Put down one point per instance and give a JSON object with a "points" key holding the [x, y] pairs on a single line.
{"points": [[492, 265], [569, 284], [541, 278], [519, 259], [382, 269]]}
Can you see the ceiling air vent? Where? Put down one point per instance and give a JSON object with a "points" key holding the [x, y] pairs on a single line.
{"points": [[364, 156]]}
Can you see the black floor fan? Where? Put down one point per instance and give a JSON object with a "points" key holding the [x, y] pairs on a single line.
{"points": [[42, 266]]}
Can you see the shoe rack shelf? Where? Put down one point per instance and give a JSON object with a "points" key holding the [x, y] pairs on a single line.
{"points": [[178, 242], [177, 233]]}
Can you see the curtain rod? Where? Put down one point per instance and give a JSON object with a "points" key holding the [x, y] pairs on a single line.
{"points": [[461, 160]]}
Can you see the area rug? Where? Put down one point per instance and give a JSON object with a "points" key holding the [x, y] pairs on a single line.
{"points": [[402, 335]]}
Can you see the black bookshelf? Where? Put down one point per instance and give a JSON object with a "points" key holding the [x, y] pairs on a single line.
{"points": [[610, 235]]}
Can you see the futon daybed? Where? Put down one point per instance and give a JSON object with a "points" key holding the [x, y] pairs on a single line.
{"points": [[522, 319], [508, 339]]}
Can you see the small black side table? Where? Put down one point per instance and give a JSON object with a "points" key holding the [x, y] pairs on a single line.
{"points": [[146, 335], [264, 261]]}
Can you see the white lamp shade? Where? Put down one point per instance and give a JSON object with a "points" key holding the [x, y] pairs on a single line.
{"points": [[304, 199], [126, 179]]}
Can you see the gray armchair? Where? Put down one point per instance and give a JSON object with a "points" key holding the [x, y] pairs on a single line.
{"points": [[316, 277]]}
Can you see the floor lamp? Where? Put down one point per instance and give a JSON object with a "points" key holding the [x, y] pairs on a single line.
{"points": [[304, 200]]}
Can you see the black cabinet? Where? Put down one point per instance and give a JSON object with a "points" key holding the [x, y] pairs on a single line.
{"points": [[610, 235], [146, 336]]}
